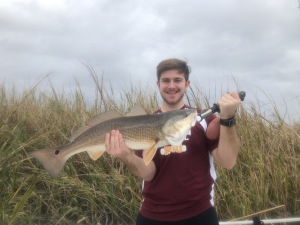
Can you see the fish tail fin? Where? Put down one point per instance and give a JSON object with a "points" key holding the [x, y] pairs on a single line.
{"points": [[51, 160]]}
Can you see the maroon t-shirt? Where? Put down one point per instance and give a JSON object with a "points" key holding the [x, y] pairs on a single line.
{"points": [[184, 179]]}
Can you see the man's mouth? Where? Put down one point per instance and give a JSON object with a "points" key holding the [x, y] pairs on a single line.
{"points": [[172, 92]]}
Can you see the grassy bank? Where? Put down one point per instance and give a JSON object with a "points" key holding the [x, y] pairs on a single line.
{"points": [[103, 191]]}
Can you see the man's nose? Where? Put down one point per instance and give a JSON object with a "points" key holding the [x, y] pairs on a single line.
{"points": [[171, 84]]}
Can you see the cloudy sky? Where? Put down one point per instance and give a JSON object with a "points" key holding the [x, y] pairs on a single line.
{"points": [[252, 42]]}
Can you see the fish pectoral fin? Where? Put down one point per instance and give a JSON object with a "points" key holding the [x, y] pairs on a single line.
{"points": [[149, 154]]}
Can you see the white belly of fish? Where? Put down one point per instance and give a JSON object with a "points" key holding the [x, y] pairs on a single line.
{"points": [[177, 136]]}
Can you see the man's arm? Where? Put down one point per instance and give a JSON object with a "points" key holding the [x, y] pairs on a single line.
{"points": [[115, 146], [228, 148]]}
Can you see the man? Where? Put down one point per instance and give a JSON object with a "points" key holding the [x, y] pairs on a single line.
{"points": [[178, 186]]}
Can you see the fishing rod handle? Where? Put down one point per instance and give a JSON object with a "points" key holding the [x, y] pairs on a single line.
{"points": [[242, 95]]}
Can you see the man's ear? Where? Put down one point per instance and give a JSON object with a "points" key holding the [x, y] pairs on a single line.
{"points": [[187, 84]]}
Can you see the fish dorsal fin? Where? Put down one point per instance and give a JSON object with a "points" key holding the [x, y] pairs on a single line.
{"points": [[111, 114], [149, 154], [137, 110]]}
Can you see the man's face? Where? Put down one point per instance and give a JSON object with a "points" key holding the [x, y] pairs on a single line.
{"points": [[172, 86]]}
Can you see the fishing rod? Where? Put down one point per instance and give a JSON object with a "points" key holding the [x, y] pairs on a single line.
{"points": [[215, 108]]}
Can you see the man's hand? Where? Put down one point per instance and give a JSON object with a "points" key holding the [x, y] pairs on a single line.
{"points": [[228, 105], [115, 146]]}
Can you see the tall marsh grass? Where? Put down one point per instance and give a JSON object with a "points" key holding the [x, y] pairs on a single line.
{"points": [[103, 191]]}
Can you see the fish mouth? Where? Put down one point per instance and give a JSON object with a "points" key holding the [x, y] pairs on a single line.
{"points": [[195, 118], [193, 115]]}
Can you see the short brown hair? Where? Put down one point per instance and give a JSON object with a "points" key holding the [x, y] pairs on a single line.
{"points": [[173, 64]]}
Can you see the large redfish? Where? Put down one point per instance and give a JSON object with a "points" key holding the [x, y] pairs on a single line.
{"points": [[140, 132]]}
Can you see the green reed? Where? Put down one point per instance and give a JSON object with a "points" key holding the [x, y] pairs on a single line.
{"points": [[103, 191]]}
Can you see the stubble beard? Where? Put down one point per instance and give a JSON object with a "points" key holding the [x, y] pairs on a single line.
{"points": [[173, 103]]}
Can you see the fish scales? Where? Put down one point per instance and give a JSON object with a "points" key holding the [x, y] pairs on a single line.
{"points": [[135, 128]]}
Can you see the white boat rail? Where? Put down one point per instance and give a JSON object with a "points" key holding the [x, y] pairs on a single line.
{"points": [[267, 221]]}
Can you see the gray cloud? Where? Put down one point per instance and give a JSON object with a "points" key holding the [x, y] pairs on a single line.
{"points": [[256, 42]]}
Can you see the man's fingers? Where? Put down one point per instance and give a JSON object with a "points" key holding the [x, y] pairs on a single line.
{"points": [[232, 97], [120, 138], [229, 104], [107, 142], [113, 140], [235, 95], [115, 144]]}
